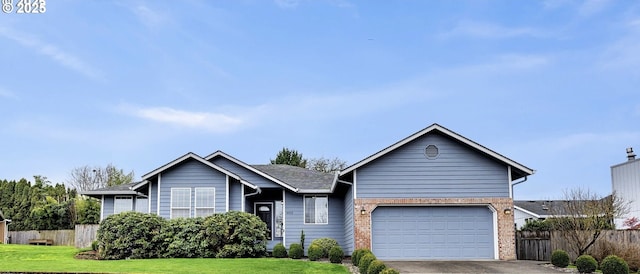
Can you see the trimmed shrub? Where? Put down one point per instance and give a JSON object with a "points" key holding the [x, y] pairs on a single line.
{"points": [[336, 254], [184, 238], [315, 252], [365, 261], [613, 264], [586, 264], [375, 267], [325, 244], [389, 271], [94, 246], [236, 234], [357, 254], [295, 251], [129, 235], [279, 251], [560, 258], [629, 253]]}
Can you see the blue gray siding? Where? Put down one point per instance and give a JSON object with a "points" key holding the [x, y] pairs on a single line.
{"points": [[294, 221], [245, 173], [235, 195], [192, 174], [107, 206], [458, 171], [348, 223]]}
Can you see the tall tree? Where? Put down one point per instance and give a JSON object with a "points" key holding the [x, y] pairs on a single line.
{"points": [[289, 157], [326, 165], [89, 178], [583, 216]]}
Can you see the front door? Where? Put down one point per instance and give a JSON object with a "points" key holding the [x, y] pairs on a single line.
{"points": [[264, 211]]}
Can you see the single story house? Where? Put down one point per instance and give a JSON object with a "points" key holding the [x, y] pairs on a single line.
{"points": [[526, 211], [432, 195]]}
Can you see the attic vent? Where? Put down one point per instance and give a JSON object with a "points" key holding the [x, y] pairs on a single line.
{"points": [[431, 151]]}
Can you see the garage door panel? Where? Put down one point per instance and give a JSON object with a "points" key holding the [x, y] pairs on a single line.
{"points": [[456, 232]]}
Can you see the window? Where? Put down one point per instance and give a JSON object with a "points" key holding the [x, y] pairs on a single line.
{"points": [[180, 202], [142, 204], [279, 231], [122, 204], [316, 209], [205, 201]]}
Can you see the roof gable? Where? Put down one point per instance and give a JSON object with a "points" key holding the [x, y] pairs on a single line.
{"points": [[251, 168], [188, 156], [518, 170]]}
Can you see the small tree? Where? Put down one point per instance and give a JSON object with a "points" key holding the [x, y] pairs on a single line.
{"points": [[583, 216], [89, 178], [632, 223], [289, 157]]}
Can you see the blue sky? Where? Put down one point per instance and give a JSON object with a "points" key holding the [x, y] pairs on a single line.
{"points": [[553, 85]]}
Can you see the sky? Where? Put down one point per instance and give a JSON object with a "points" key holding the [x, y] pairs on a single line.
{"points": [[553, 85]]}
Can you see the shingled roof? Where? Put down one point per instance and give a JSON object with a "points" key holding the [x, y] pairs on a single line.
{"points": [[305, 180]]}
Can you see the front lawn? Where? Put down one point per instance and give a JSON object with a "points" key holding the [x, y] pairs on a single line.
{"points": [[18, 258]]}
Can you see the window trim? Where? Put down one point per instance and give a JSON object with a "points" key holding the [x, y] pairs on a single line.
{"points": [[304, 205], [195, 202], [171, 207], [121, 197]]}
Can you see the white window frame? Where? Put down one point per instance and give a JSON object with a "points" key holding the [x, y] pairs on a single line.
{"points": [[172, 207], [117, 210], [196, 207], [304, 202]]}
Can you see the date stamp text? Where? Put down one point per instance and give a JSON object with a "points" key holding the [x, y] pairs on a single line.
{"points": [[24, 6]]}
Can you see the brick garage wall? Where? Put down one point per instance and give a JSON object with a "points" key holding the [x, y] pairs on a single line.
{"points": [[506, 232]]}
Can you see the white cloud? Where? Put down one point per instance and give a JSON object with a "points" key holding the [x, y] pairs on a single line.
{"points": [[7, 94], [148, 16], [287, 4], [489, 30], [208, 121], [63, 58], [624, 53], [591, 7]]}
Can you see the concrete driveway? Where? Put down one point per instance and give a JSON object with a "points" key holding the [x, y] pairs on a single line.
{"points": [[519, 267]]}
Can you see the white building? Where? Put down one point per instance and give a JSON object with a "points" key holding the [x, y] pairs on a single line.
{"points": [[625, 179]]}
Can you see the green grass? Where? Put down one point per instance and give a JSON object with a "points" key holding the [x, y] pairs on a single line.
{"points": [[25, 258]]}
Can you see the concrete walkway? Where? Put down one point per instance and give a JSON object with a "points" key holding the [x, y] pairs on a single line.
{"points": [[519, 267]]}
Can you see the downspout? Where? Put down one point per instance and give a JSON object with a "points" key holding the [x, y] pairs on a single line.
{"points": [[517, 183]]}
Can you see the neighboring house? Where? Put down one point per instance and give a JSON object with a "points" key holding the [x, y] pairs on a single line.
{"points": [[432, 195], [4, 229], [625, 180], [526, 211]]}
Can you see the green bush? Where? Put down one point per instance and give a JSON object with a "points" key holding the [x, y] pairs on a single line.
{"points": [[129, 235], [613, 264], [364, 262], [295, 251], [314, 252], [357, 254], [586, 264], [389, 271], [279, 251], [236, 234], [184, 238], [375, 267], [94, 245], [560, 258], [336, 254], [325, 244]]}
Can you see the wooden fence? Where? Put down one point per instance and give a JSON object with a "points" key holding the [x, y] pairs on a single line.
{"points": [[81, 237], [539, 245]]}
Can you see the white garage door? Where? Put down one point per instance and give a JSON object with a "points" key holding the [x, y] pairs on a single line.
{"points": [[436, 232]]}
